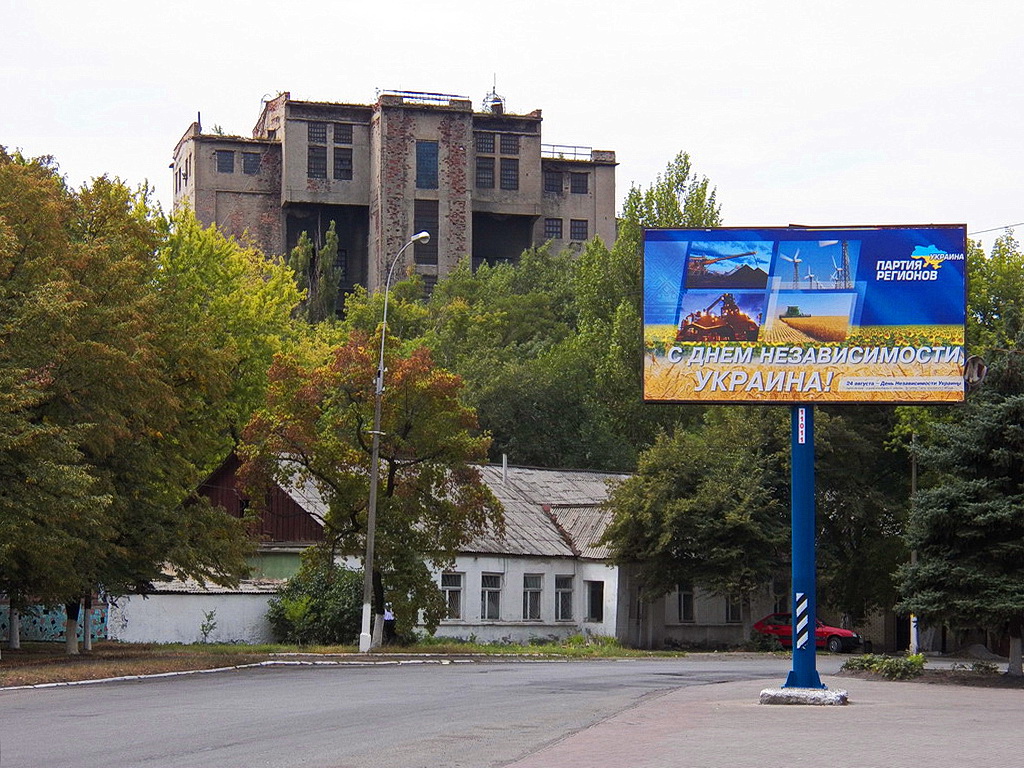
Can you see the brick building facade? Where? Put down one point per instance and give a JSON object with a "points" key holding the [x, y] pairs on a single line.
{"points": [[481, 183]]}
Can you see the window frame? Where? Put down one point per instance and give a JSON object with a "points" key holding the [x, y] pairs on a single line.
{"points": [[551, 231], [554, 182], [252, 163], [533, 594], [484, 142], [686, 610], [733, 610], [427, 161], [485, 173], [316, 132], [564, 597], [595, 609], [579, 183], [345, 131], [490, 592], [316, 161], [576, 226], [220, 155], [508, 143], [343, 163], [456, 591], [509, 174]]}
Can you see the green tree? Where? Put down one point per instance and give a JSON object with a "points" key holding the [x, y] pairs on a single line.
{"points": [[966, 524], [318, 275], [322, 604], [708, 507], [431, 501]]}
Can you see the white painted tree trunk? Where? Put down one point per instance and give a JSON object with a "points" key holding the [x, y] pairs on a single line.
{"points": [[71, 637], [87, 626], [14, 641], [378, 630], [1015, 668]]}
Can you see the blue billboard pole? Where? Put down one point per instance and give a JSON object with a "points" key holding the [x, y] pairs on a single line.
{"points": [[805, 616]]}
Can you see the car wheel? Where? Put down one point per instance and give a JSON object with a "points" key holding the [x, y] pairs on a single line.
{"points": [[835, 644]]}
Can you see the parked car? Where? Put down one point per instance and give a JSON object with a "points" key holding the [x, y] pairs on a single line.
{"points": [[835, 639]]}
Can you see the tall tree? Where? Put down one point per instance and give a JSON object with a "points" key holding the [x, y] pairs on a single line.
{"points": [[431, 501], [318, 274], [967, 525], [708, 507]]}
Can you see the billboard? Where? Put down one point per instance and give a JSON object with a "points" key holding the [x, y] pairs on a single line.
{"points": [[805, 314]]}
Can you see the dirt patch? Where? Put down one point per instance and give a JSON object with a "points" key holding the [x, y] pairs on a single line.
{"points": [[950, 677]]}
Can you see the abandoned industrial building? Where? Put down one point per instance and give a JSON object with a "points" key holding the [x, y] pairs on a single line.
{"points": [[481, 183]]}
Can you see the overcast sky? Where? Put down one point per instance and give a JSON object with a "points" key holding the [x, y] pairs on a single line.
{"points": [[829, 113]]}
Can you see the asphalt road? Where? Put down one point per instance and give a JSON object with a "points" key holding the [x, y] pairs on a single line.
{"points": [[458, 715]]}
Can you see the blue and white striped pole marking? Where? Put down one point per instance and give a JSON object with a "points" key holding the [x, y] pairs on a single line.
{"points": [[802, 622]]}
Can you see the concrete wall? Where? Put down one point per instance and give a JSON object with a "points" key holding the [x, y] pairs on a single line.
{"points": [[176, 618]]}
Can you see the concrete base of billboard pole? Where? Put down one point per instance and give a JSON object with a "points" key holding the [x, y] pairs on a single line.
{"points": [[805, 614]]}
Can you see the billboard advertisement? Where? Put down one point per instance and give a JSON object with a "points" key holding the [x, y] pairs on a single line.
{"points": [[805, 314]]}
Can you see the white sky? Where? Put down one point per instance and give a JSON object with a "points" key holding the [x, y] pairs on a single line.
{"points": [[829, 113]]}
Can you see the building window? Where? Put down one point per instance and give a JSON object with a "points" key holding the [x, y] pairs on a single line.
{"points": [[563, 598], [425, 219], [532, 588], [509, 173], [316, 162], [595, 600], [485, 173], [553, 182], [733, 610], [343, 163], [426, 165], [342, 133], [341, 264], [225, 161], [577, 229], [316, 133], [579, 183], [552, 229], [251, 163], [780, 593], [490, 596], [684, 598], [451, 585], [509, 144], [485, 143]]}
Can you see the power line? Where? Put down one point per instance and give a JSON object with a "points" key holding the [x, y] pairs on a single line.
{"points": [[995, 229]]}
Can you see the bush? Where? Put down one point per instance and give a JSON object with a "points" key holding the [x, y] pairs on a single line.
{"points": [[889, 667], [321, 605]]}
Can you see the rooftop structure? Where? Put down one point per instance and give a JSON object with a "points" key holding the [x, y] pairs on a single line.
{"points": [[482, 183]]}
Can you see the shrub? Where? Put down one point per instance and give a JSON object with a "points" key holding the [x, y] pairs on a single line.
{"points": [[321, 605], [889, 667]]}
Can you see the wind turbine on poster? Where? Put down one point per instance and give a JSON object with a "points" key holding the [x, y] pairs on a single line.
{"points": [[795, 261]]}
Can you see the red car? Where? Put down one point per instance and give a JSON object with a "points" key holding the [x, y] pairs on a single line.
{"points": [[835, 639]]}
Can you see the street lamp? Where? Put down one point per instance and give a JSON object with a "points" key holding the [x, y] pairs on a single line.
{"points": [[365, 638]]}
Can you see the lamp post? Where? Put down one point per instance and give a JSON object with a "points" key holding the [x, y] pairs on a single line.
{"points": [[365, 638]]}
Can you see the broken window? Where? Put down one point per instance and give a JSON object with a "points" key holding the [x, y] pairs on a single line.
{"points": [[316, 162], [485, 173], [485, 143], [553, 182], [316, 133], [251, 163], [343, 163], [509, 144], [225, 161], [509, 173], [579, 183], [342, 133]]}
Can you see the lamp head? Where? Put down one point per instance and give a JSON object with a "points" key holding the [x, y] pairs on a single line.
{"points": [[421, 237]]}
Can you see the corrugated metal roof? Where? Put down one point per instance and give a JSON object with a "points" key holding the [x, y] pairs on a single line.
{"points": [[584, 526], [548, 512]]}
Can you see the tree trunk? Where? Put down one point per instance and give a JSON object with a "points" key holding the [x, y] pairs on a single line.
{"points": [[14, 635], [1015, 667], [71, 628], [377, 633], [87, 624]]}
